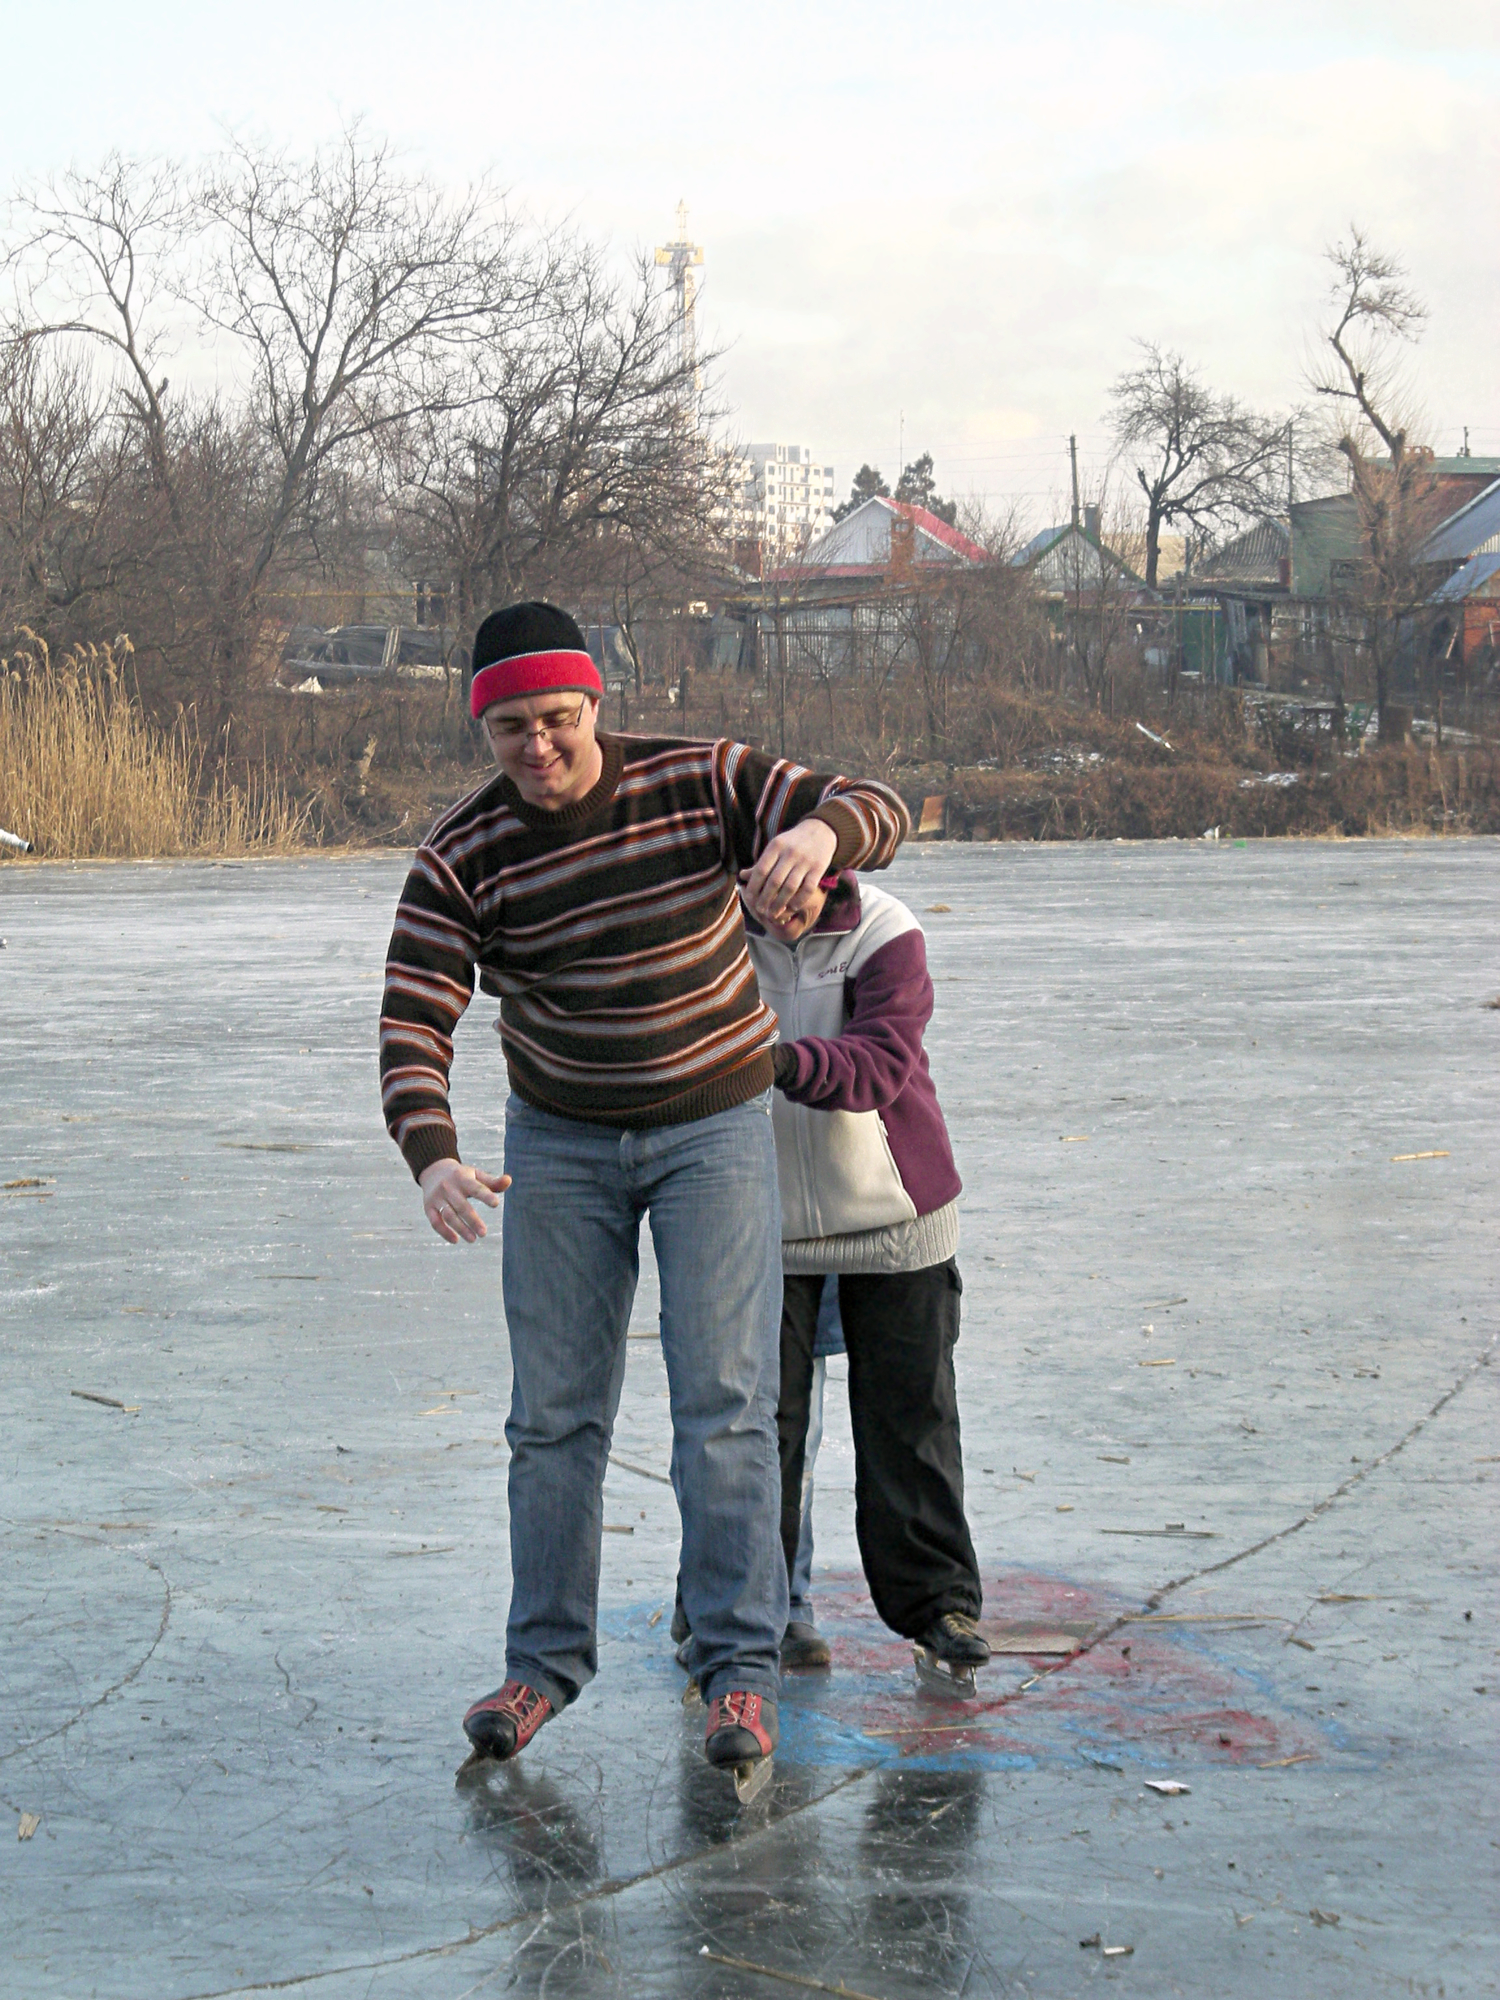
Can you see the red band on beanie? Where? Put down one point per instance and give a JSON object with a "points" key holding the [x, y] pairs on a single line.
{"points": [[533, 673]]}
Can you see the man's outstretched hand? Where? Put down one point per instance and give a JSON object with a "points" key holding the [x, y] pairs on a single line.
{"points": [[794, 861], [448, 1187]]}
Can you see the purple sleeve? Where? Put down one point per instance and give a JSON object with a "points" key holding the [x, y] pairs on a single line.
{"points": [[867, 1067]]}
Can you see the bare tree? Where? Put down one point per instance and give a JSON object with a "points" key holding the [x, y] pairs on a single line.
{"points": [[357, 294], [68, 533], [1102, 591], [344, 293], [937, 618], [573, 459], [1375, 313], [1199, 458]]}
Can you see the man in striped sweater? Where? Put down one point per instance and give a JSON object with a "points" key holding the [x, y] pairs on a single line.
{"points": [[592, 886]]}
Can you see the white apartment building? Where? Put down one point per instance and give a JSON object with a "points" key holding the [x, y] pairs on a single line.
{"points": [[784, 500]]}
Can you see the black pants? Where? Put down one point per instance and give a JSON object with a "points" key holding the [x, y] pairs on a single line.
{"points": [[908, 1466]]}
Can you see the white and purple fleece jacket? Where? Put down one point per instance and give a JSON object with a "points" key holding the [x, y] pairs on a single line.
{"points": [[863, 1156]]}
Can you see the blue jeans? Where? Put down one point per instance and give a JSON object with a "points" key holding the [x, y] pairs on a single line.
{"points": [[570, 1235]]}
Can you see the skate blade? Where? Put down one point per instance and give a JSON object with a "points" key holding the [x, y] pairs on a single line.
{"points": [[937, 1677], [750, 1780], [476, 1767]]}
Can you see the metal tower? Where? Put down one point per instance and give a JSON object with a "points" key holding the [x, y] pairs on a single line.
{"points": [[682, 258]]}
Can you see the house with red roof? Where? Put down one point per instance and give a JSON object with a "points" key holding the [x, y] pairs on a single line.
{"points": [[857, 596], [883, 543]]}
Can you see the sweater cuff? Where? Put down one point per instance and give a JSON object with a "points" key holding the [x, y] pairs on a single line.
{"points": [[784, 1064], [847, 829], [427, 1144]]}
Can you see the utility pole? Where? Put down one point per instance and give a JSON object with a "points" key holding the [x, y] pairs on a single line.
{"points": [[1465, 452], [901, 449], [1076, 639], [1291, 489]]}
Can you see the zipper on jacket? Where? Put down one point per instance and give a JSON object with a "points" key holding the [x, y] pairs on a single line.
{"points": [[802, 1114]]}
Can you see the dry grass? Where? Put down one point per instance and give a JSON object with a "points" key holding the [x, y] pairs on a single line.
{"points": [[1397, 791], [83, 773]]}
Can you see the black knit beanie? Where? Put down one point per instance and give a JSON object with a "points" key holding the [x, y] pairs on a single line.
{"points": [[529, 649]]}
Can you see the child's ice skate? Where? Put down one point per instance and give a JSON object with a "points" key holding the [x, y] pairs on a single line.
{"points": [[803, 1646], [741, 1738], [947, 1655]]}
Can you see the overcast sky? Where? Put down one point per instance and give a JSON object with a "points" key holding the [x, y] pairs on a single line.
{"points": [[960, 213]]}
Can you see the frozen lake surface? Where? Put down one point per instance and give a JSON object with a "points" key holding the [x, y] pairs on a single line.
{"points": [[1207, 1284]]}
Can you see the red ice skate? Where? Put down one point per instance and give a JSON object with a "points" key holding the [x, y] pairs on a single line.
{"points": [[741, 1736], [505, 1722]]}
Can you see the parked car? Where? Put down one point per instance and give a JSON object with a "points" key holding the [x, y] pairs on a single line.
{"points": [[352, 653]]}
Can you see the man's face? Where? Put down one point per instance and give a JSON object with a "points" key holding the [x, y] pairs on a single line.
{"points": [[799, 920], [544, 743]]}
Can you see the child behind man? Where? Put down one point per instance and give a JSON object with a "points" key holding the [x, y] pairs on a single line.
{"points": [[869, 1192]]}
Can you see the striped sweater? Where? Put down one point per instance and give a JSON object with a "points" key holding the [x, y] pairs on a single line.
{"points": [[611, 932]]}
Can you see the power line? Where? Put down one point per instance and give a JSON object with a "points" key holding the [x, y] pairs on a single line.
{"points": [[1047, 447]]}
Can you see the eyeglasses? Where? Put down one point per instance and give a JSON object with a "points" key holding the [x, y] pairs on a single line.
{"points": [[556, 722]]}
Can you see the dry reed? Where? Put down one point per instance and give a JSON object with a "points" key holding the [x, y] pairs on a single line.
{"points": [[84, 773]]}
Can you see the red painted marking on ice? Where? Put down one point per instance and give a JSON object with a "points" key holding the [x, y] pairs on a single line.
{"points": [[1168, 1695]]}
